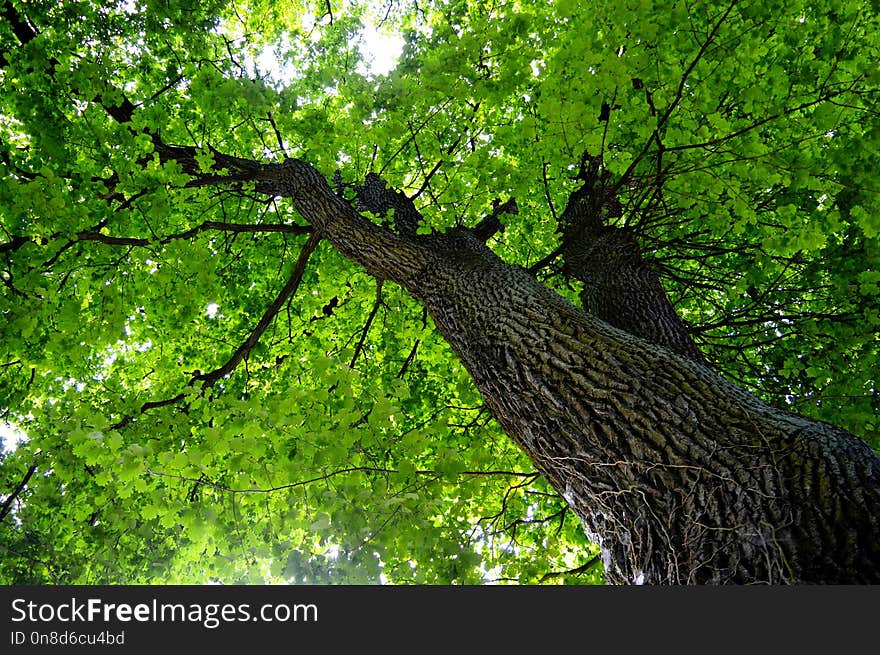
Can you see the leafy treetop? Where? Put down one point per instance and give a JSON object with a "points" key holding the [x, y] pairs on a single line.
{"points": [[212, 393]]}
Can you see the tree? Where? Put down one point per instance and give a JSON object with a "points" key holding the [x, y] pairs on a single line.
{"points": [[566, 286]]}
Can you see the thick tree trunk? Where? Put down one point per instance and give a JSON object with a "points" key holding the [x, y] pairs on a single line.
{"points": [[678, 475]]}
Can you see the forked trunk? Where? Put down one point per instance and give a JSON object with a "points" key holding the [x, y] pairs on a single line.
{"points": [[678, 475]]}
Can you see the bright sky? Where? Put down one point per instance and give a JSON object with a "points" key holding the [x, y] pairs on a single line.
{"points": [[381, 50], [10, 437]]}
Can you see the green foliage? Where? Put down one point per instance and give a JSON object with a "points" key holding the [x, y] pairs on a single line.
{"points": [[342, 451]]}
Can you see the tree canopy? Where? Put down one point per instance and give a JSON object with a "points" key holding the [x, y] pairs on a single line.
{"points": [[211, 391]]}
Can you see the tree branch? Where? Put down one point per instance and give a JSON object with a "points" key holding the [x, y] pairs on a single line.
{"points": [[188, 234], [146, 407], [542, 263], [491, 224], [655, 136], [577, 571], [208, 379], [25, 32], [381, 251], [409, 359], [360, 345], [17, 241], [376, 197], [757, 124], [6, 508], [333, 474]]}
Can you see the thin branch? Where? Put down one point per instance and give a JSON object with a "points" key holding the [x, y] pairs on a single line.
{"points": [[277, 133], [678, 96], [146, 407], [763, 121], [544, 165], [208, 379], [408, 140], [368, 324], [409, 359], [577, 571], [329, 11], [537, 266], [427, 180], [524, 483], [7, 504], [333, 474], [220, 226], [18, 241]]}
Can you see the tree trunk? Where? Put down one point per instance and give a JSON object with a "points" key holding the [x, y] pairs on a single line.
{"points": [[619, 287], [678, 475]]}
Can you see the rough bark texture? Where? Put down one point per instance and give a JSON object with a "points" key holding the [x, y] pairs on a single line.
{"points": [[678, 475], [619, 286]]}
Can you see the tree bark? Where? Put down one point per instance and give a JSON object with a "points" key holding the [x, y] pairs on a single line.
{"points": [[619, 286], [678, 475]]}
